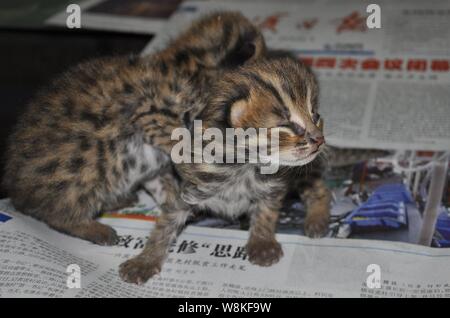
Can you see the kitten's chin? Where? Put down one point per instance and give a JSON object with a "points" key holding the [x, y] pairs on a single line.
{"points": [[298, 162]]}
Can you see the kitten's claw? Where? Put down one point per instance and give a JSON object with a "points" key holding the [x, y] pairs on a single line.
{"points": [[139, 270], [316, 225], [264, 252]]}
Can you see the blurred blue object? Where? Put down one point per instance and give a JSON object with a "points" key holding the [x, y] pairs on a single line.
{"points": [[384, 210], [443, 229], [395, 192], [4, 217]]}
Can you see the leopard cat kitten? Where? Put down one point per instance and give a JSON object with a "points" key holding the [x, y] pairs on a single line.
{"points": [[275, 92], [103, 128]]}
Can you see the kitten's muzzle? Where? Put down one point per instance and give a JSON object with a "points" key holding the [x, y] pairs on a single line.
{"points": [[318, 141], [315, 137]]}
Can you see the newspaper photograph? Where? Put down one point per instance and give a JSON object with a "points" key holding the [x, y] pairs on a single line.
{"points": [[133, 16]]}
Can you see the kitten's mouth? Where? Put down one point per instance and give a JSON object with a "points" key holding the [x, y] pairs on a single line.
{"points": [[315, 150], [311, 156], [307, 159], [301, 161], [299, 157]]}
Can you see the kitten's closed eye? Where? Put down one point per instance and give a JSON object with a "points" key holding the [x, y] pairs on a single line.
{"points": [[299, 130], [296, 128]]}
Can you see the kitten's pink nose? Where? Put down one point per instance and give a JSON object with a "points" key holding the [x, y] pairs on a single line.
{"points": [[316, 138], [319, 140]]}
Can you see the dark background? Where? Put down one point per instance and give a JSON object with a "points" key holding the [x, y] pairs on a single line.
{"points": [[30, 58]]}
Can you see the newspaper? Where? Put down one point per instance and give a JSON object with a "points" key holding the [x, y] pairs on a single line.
{"points": [[384, 88], [36, 261], [132, 16]]}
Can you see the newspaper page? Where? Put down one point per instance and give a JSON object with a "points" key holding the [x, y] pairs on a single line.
{"points": [[384, 88], [133, 16], [36, 261]]}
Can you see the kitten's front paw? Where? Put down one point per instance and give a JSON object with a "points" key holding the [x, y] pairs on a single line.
{"points": [[316, 225], [139, 269], [264, 252]]}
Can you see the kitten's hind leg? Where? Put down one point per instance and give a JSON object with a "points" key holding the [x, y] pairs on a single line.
{"points": [[77, 220], [172, 219], [317, 199], [89, 230], [67, 208]]}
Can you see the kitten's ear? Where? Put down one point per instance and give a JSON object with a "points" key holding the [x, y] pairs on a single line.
{"points": [[240, 55], [237, 113]]}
